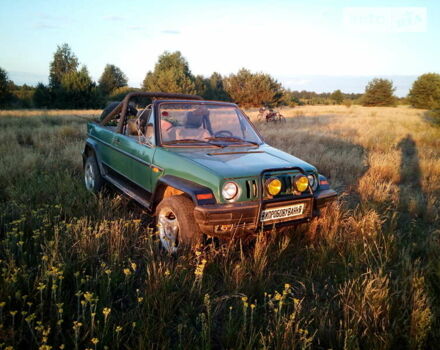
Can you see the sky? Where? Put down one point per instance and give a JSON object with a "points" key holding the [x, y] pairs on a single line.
{"points": [[319, 45]]}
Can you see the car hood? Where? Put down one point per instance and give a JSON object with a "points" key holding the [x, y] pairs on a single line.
{"points": [[231, 162]]}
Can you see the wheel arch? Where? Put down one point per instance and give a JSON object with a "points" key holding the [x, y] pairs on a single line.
{"points": [[91, 148], [170, 185]]}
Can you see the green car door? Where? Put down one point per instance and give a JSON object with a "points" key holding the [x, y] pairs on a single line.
{"points": [[135, 160], [108, 146]]}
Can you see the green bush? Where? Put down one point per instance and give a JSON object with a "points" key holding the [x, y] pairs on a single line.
{"points": [[425, 92], [253, 89], [379, 92]]}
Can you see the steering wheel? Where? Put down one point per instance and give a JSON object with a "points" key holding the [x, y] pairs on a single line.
{"points": [[223, 133]]}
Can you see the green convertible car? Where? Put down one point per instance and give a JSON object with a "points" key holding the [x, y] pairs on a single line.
{"points": [[200, 168]]}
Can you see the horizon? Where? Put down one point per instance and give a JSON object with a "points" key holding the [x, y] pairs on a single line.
{"points": [[341, 45]]}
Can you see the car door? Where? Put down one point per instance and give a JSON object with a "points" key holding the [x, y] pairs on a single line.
{"points": [[137, 151], [108, 154]]}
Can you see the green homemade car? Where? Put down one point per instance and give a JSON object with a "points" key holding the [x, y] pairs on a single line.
{"points": [[200, 168]]}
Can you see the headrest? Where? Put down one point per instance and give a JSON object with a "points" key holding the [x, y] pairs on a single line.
{"points": [[193, 121]]}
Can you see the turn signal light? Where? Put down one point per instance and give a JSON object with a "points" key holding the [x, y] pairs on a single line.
{"points": [[204, 196]]}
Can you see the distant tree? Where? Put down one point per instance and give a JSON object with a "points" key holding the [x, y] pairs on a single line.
{"points": [[5, 89], [77, 90], [201, 85], [290, 99], [42, 97], [425, 91], [215, 89], [64, 62], [253, 89], [337, 96], [111, 79], [379, 92], [171, 74], [23, 96]]}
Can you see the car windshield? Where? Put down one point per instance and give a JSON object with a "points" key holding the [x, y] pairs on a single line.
{"points": [[189, 122]]}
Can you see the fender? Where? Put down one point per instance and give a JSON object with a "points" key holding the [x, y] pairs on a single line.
{"points": [[94, 146], [323, 183], [200, 195]]}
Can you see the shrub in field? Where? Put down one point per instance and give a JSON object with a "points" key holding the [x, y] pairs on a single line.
{"points": [[425, 91], [253, 89], [379, 92], [337, 96], [434, 115]]}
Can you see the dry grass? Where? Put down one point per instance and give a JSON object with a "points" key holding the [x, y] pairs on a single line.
{"points": [[85, 272]]}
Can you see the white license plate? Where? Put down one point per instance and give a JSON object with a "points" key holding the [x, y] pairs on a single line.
{"points": [[282, 212]]}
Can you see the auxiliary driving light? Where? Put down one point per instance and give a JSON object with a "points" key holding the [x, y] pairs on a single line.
{"points": [[301, 183], [273, 186]]}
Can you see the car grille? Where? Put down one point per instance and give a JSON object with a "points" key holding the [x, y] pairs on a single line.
{"points": [[251, 189]]}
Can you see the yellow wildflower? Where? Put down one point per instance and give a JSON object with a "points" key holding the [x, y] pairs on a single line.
{"points": [[106, 311]]}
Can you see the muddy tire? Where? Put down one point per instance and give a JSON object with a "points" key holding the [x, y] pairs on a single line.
{"points": [[177, 227], [92, 176]]}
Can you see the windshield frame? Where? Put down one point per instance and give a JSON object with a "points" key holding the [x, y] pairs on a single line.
{"points": [[159, 142]]}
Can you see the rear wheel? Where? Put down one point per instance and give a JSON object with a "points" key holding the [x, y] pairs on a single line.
{"points": [[176, 224], [92, 176]]}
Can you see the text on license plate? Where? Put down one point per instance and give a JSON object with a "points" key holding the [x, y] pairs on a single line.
{"points": [[282, 212]]}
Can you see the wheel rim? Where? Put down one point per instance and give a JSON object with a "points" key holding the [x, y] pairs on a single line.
{"points": [[89, 177], [168, 230]]}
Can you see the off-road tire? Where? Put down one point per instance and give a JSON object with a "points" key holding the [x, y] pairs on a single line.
{"points": [[182, 208], [92, 175]]}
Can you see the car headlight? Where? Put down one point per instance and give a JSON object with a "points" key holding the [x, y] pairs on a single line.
{"points": [[273, 186], [230, 190], [301, 183], [313, 182]]}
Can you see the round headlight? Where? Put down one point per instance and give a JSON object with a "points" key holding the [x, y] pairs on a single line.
{"points": [[273, 186], [230, 190], [301, 183], [313, 182]]}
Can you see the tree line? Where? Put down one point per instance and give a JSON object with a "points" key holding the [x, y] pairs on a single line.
{"points": [[71, 87]]}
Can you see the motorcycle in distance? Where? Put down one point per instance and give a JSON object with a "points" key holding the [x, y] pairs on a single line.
{"points": [[269, 115]]}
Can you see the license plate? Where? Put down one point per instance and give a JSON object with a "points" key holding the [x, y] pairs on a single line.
{"points": [[282, 212]]}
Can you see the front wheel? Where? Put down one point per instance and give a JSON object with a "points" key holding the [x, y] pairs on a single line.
{"points": [[176, 224], [92, 176]]}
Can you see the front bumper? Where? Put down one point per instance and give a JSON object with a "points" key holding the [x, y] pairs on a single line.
{"points": [[221, 219]]}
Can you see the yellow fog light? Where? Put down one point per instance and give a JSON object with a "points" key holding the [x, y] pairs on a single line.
{"points": [[273, 186], [301, 183]]}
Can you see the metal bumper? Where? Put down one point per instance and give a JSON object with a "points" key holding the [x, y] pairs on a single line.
{"points": [[221, 219]]}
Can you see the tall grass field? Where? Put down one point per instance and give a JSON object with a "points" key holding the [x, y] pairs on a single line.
{"points": [[79, 271]]}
